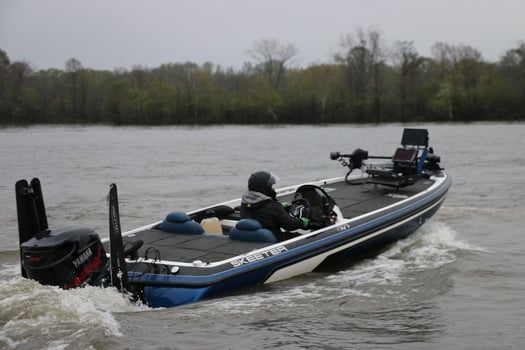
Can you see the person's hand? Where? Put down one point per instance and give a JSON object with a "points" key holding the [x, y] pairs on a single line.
{"points": [[306, 222]]}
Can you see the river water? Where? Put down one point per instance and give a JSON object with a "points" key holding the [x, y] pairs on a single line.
{"points": [[457, 283]]}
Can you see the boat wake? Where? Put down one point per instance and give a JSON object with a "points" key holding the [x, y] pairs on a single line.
{"points": [[398, 270], [405, 270], [433, 246], [32, 315]]}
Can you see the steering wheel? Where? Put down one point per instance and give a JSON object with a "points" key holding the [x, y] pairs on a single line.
{"points": [[300, 208]]}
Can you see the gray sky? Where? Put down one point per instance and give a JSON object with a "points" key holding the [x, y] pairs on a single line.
{"points": [[105, 34]]}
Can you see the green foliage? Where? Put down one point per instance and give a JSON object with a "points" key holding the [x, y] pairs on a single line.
{"points": [[360, 87]]}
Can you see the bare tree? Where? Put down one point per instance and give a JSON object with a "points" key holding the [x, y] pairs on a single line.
{"points": [[364, 56], [4, 70], [513, 63], [378, 55], [73, 65], [272, 57], [513, 66], [459, 71], [78, 88], [408, 62], [449, 56]]}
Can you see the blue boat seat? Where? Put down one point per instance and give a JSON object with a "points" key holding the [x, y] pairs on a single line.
{"points": [[252, 231], [180, 222]]}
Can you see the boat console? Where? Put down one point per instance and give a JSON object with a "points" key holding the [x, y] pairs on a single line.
{"points": [[319, 205]]}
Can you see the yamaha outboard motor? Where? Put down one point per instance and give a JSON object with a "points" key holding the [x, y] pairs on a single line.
{"points": [[67, 257]]}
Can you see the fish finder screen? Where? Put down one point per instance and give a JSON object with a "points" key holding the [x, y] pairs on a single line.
{"points": [[404, 155]]}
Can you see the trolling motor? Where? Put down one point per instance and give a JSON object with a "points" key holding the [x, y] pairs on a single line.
{"points": [[355, 160], [413, 160]]}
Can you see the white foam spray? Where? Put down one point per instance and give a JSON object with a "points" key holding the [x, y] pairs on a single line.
{"points": [[31, 312]]}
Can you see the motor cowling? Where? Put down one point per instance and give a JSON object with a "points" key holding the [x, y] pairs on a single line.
{"points": [[67, 257]]}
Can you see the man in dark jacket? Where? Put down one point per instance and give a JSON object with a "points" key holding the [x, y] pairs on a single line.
{"points": [[260, 203]]}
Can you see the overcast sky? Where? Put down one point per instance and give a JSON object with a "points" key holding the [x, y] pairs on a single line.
{"points": [[106, 34]]}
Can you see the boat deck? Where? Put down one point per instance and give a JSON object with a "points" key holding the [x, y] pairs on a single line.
{"points": [[189, 248], [358, 199], [353, 200]]}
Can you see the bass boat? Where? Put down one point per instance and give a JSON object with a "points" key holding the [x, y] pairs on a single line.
{"points": [[190, 256]]}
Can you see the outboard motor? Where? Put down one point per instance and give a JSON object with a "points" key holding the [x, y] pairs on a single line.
{"points": [[66, 257]]}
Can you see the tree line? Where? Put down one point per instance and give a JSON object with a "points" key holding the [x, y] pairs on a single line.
{"points": [[367, 82]]}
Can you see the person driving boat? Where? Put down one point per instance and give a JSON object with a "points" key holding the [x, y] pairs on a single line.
{"points": [[260, 203]]}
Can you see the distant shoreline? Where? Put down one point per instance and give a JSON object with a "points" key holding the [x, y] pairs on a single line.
{"points": [[357, 89]]}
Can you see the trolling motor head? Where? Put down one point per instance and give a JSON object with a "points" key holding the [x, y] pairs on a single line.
{"points": [[355, 159]]}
